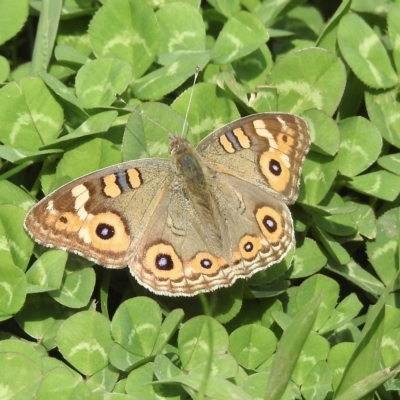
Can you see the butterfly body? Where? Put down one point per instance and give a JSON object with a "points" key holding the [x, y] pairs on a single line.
{"points": [[210, 215]]}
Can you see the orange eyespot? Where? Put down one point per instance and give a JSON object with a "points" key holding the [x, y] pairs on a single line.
{"points": [[206, 263], [163, 261], [249, 246], [107, 231], [275, 170], [270, 223]]}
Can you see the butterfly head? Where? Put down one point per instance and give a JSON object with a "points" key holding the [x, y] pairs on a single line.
{"points": [[178, 145]]}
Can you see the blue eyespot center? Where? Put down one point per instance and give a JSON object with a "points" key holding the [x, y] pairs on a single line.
{"points": [[206, 263], [270, 224], [275, 167], [164, 262], [105, 231], [248, 247]]}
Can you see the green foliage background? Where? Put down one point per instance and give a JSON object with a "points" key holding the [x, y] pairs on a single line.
{"points": [[322, 324]]}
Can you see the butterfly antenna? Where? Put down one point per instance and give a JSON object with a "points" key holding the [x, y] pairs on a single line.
{"points": [[196, 74]]}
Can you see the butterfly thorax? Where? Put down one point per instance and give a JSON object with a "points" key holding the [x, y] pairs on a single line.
{"points": [[188, 165], [194, 178]]}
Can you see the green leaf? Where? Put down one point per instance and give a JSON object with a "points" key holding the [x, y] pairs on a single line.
{"points": [[227, 81], [377, 7], [116, 31], [308, 259], [98, 81], [338, 223], [269, 12], [289, 348], [328, 37], [391, 163], [241, 35], [225, 7], [138, 386], [365, 53], [256, 385], [357, 275], [251, 345], [164, 368], [318, 382], [164, 80], [181, 28], [383, 251], [12, 290], [314, 285], [47, 271], [315, 349], [383, 108], [393, 22], [380, 184], [345, 311], [198, 338], [252, 69], [13, 17], [30, 116], [265, 99], [61, 90], [136, 325], [338, 252], [70, 54], [320, 85], [211, 108], [319, 173], [98, 123], [41, 317], [360, 145], [106, 379], [366, 359], [21, 157], [390, 347], [216, 388], [148, 129], [84, 340], [60, 384], [338, 358], [123, 359], [223, 366], [224, 304], [324, 132], [168, 328], [87, 157], [78, 284], [19, 386], [364, 218], [15, 241], [12, 194]]}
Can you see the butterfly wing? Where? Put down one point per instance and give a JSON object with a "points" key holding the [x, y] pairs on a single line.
{"points": [[259, 227], [101, 216], [177, 256], [273, 144], [175, 237]]}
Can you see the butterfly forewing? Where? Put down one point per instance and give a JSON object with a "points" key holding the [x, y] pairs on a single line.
{"points": [[265, 149], [101, 216]]}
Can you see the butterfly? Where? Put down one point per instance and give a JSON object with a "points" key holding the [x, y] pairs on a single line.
{"points": [[192, 223]]}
